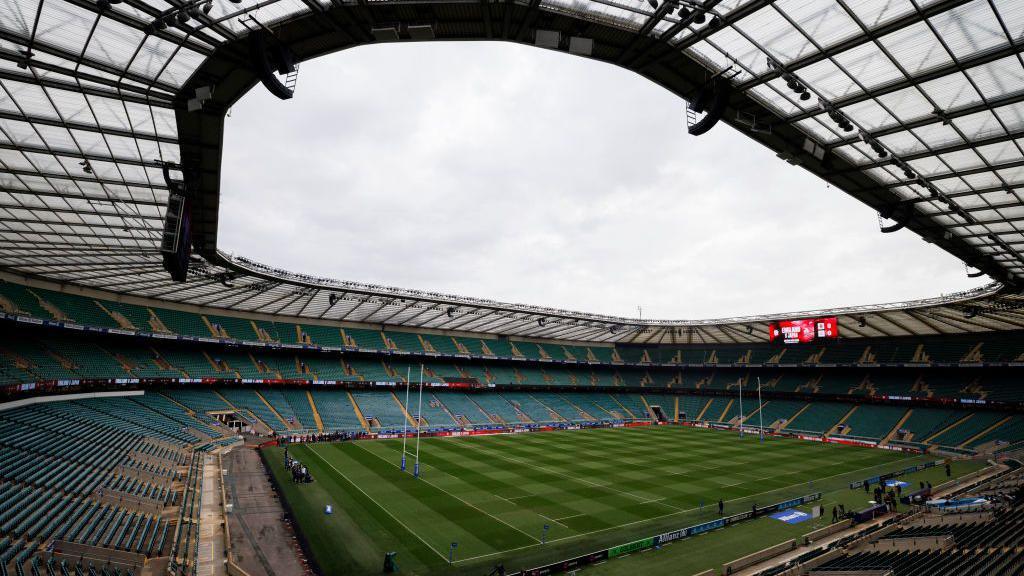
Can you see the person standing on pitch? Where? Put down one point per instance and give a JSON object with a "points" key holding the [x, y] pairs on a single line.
{"points": [[835, 515], [721, 507]]}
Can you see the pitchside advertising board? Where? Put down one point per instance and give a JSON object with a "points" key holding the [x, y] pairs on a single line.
{"points": [[803, 331]]}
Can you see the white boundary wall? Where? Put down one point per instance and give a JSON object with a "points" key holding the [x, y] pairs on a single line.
{"points": [[66, 398]]}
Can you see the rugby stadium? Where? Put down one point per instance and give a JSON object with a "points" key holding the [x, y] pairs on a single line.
{"points": [[169, 407]]}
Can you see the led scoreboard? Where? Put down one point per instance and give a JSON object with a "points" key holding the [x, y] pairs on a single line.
{"points": [[803, 331]]}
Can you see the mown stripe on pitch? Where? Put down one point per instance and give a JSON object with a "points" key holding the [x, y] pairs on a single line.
{"points": [[415, 513], [472, 521], [503, 498], [621, 501]]}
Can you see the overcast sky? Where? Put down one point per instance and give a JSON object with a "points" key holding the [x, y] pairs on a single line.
{"points": [[501, 171]]}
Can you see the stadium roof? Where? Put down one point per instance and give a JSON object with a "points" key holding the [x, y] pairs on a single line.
{"points": [[97, 98]]}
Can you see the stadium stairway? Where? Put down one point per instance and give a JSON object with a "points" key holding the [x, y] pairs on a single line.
{"points": [[948, 428], [336, 411], [700, 416], [750, 417], [408, 417], [984, 432], [896, 428], [359, 413], [842, 421], [795, 416], [316, 413], [728, 406], [647, 408], [583, 413], [631, 404], [280, 419], [553, 415]]}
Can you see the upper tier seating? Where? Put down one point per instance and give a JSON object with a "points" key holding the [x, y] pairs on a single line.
{"points": [[105, 312]]}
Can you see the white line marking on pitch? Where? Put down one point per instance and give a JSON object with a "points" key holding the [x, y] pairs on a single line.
{"points": [[386, 511], [670, 514], [575, 478], [470, 504], [567, 517]]}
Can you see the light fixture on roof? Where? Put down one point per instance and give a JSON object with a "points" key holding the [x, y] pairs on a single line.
{"points": [[450, 311], [970, 312], [159, 24], [797, 87], [207, 7], [862, 321], [879, 150], [182, 17], [540, 322], [333, 298], [844, 124], [86, 166]]}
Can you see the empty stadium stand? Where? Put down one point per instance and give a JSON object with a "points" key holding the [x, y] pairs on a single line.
{"points": [[88, 485]]}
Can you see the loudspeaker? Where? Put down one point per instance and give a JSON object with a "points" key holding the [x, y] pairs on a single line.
{"points": [[711, 100], [269, 58]]}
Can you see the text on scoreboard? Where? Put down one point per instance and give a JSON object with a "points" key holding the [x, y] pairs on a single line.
{"points": [[803, 331]]}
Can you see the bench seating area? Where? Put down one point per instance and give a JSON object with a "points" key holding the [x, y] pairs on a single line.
{"points": [[107, 313], [336, 411], [95, 472], [63, 356]]}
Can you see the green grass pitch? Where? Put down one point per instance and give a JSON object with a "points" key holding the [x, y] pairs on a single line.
{"points": [[493, 495]]}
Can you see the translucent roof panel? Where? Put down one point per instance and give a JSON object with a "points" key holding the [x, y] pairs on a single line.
{"points": [[91, 94]]}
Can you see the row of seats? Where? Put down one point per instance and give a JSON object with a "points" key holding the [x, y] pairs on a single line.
{"points": [[980, 545], [97, 472], [67, 357], [50, 305], [943, 427], [929, 563]]}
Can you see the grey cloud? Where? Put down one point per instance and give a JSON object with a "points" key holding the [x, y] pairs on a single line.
{"points": [[506, 172]]}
